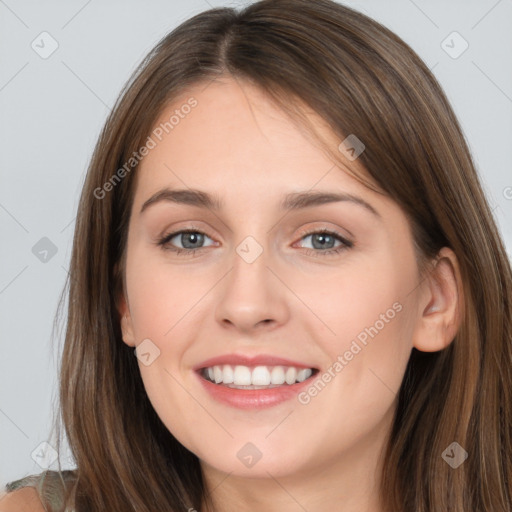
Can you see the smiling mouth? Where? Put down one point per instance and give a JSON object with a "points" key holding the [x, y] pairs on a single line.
{"points": [[256, 377]]}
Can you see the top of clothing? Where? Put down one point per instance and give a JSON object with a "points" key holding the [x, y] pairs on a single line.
{"points": [[51, 487]]}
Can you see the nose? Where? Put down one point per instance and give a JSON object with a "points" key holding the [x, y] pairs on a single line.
{"points": [[251, 297]]}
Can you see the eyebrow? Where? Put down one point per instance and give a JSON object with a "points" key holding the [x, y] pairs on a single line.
{"points": [[292, 201]]}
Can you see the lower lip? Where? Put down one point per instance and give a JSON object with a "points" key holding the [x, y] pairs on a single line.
{"points": [[253, 398]]}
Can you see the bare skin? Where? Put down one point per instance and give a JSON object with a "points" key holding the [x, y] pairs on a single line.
{"points": [[293, 301], [21, 500]]}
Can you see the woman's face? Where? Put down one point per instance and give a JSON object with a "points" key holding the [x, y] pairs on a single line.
{"points": [[257, 278]]}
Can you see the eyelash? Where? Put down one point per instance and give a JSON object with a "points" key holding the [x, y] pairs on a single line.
{"points": [[346, 244]]}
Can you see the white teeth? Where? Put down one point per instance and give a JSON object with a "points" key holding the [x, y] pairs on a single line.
{"points": [[256, 376], [217, 374], [260, 376], [291, 375], [303, 374], [277, 375], [227, 374], [242, 376]]}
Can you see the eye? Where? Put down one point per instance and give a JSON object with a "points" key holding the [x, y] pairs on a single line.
{"points": [[323, 242], [191, 240]]}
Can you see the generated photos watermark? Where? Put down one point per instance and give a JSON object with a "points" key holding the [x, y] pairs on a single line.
{"points": [[151, 143], [356, 346]]}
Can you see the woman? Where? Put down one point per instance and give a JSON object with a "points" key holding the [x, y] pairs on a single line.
{"points": [[369, 370]]}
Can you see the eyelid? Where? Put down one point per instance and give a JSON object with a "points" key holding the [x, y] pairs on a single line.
{"points": [[187, 228], [164, 239], [333, 231]]}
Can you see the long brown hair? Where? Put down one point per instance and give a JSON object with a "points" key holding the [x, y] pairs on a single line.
{"points": [[364, 80]]}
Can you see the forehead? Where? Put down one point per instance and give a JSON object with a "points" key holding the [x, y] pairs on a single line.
{"points": [[227, 134]]}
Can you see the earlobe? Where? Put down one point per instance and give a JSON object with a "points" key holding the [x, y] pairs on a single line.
{"points": [[126, 323], [125, 317], [440, 306], [127, 330]]}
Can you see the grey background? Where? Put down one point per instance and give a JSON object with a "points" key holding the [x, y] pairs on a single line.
{"points": [[52, 110]]}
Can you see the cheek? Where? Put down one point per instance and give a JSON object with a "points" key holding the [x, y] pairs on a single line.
{"points": [[161, 297], [365, 335], [362, 302], [366, 363], [163, 307]]}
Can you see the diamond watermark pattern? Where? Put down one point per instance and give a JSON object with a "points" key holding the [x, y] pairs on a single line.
{"points": [[147, 352], [454, 455], [44, 45], [249, 455], [249, 249], [352, 147], [454, 45], [44, 250], [44, 455]]}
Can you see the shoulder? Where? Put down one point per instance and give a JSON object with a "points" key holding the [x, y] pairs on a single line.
{"points": [[25, 499], [38, 493]]}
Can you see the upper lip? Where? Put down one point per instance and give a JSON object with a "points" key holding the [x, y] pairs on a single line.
{"points": [[245, 360]]}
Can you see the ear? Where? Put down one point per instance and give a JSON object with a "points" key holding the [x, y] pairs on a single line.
{"points": [[440, 304], [124, 312]]}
